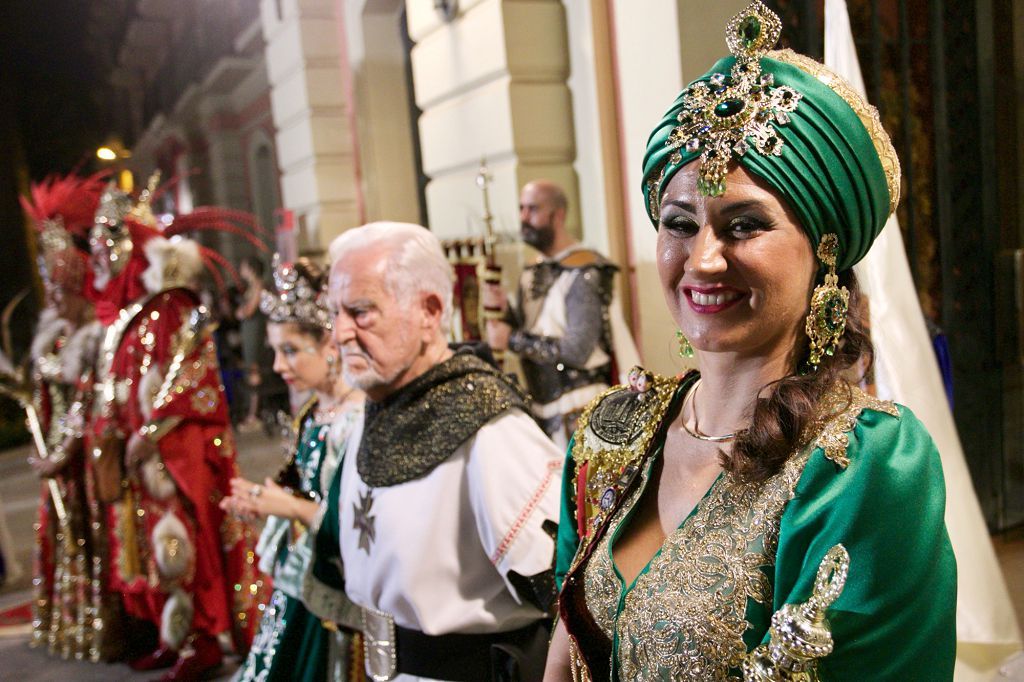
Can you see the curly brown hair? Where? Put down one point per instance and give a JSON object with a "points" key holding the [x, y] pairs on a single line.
{"points": [[785, 409]]}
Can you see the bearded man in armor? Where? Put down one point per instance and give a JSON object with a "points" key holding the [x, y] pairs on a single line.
{"points": [[568, 333]]}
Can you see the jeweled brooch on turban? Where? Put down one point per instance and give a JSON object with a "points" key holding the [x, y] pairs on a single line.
{"points": [[720, 115]]}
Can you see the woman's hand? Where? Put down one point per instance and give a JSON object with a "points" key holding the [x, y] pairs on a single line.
{"points": [[237, 507], [250, 499]]}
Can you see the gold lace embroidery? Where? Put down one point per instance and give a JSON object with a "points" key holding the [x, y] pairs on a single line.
{"points": [[600, 584], [685, 616], [833, 432]]}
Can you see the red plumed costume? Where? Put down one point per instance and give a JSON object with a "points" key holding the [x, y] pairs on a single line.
{"points": [[179, 562], [72, 613]]}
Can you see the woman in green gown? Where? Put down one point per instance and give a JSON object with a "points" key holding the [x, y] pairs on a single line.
{"points": [[292, 642], [761, 518]]}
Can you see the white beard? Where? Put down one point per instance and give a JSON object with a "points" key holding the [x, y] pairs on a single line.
{"points": [[365, 379], [368, 378]]}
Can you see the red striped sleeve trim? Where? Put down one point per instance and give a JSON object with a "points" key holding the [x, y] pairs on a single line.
{"points": [[517, 527]]}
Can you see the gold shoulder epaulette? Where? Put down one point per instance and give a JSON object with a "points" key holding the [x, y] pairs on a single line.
{"points": [[580, 258], [841, 408], [615, 432], [618, 425]]}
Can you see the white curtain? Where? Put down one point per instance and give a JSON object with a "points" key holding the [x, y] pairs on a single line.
{"points": [[906, 371]]}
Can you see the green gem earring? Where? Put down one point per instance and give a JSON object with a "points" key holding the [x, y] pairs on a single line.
{"points": [[685, 349], [826, 321]]}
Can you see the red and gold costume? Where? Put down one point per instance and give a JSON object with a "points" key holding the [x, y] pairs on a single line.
{"points": [[72, 613], [179, 562]]}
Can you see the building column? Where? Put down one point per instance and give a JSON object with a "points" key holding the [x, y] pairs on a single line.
{"points": [[225, 165], [491, 83], [311, 112]]}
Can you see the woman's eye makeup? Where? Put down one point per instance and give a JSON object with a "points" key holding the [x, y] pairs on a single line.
{"points": [[680, 224], [747, 226], [738, 227]]}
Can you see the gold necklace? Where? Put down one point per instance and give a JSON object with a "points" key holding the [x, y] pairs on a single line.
{"points": [[695, 431]]}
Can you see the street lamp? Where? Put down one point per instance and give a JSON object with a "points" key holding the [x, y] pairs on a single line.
{"points": [[113, 150]]}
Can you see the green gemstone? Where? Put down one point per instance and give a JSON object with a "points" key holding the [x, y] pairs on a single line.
{"points": [[711, 188], [729, 107], [750, 31]]}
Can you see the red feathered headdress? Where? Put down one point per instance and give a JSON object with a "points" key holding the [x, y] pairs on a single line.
{"points": [[132, 237], [62, 210]]}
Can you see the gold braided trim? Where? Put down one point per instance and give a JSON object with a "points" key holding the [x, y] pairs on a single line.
{"points": [[867, 113], [840, 410], [577, 667]]}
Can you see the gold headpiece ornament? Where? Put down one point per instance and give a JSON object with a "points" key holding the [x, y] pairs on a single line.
{"points": [[53, 238], [58, 259], [142, 212], [114, 205], [296, 298], [109, 229], [719, 115]]}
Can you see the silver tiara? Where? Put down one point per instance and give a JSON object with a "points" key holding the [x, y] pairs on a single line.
{"points": [[295, 299]]}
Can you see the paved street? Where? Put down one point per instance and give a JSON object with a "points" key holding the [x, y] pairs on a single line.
{"points": [[259, 456]]}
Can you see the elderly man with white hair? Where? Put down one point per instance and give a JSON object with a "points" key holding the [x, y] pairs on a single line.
{"points": [[448, 487]]}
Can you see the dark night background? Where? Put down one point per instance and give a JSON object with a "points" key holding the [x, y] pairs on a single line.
{"points": [[50, 121]]}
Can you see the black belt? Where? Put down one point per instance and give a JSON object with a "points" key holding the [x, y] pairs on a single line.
{"points": [[468, 658], [547, 383]]}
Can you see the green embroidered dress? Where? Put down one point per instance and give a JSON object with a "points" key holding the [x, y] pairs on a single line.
{"points": [[293, 643], [870, 480]]}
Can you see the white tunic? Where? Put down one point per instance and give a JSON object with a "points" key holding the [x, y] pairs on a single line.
{"points": [[443, 544]]}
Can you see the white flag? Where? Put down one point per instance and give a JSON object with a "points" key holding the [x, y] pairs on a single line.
{"points": [[906, 371]]}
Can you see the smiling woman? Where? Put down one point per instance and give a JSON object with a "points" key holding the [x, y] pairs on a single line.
{"points": [[740, 521], [737, 270]]}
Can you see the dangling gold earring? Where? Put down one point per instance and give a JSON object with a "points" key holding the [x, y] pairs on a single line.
{"points": [[829, 304], [685, 349], [332, 368]]}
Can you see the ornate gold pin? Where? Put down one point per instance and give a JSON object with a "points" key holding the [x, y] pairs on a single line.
{"points": [[722, 113]]}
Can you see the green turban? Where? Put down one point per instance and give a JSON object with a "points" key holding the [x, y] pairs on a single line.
{"points": [[808, 135]]}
